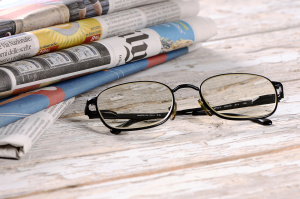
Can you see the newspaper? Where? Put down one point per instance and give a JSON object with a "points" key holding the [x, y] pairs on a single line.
{"points": [[84, 31], [25, 104], [19, 16], [25, 75], [17, 138]]}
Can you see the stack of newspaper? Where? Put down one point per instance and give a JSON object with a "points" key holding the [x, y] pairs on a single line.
{"points": [[53, 50]]}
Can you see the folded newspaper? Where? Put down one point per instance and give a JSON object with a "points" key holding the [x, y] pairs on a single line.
{"points": [[84, 31], [17, 138], [17, 16], [25, 75]]}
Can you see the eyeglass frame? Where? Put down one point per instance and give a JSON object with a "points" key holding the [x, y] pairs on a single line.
{"points": [[205, 108]]}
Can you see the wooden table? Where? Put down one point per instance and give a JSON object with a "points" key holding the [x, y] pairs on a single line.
{"points": [[190, 157]]}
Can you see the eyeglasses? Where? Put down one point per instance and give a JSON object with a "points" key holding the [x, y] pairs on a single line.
{"points": [[146, 104]]}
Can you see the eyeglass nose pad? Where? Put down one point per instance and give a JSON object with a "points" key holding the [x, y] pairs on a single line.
{"points": [[204, 108], [173, 115]]}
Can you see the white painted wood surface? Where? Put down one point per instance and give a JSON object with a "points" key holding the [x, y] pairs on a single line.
{"points": [[195, 157]]}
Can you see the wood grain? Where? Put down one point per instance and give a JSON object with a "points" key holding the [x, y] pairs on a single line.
{"points": [[244, 177], [192, 156]]}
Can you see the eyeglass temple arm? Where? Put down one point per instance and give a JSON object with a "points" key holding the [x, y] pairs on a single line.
{"points": [[264, 99], [133, 118], [279, 88], [88, 112], [200, 111], [108, 114]]}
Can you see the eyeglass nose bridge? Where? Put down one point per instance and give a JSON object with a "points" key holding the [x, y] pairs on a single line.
{"points": [[185, 86], [205, 109], [173, 114], [202, 105]]}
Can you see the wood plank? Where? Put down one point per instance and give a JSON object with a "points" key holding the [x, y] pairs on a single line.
{"points": [[239, 18], [254, 176]]}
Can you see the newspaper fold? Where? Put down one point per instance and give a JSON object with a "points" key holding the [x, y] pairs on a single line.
{"points": [[63, 36], [40, 71], [17, 138]]}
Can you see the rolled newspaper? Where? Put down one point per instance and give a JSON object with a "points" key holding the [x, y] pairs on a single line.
{"points": [[88, 30], [40, 71], [24, 16]]}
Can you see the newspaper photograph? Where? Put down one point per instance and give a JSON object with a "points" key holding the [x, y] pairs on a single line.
{"points": [[17, 138], [63, 36], [27, 15], [39, 71]]}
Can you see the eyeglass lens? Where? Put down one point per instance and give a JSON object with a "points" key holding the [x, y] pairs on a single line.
{"points": [[240, 95], [135, 105]]}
